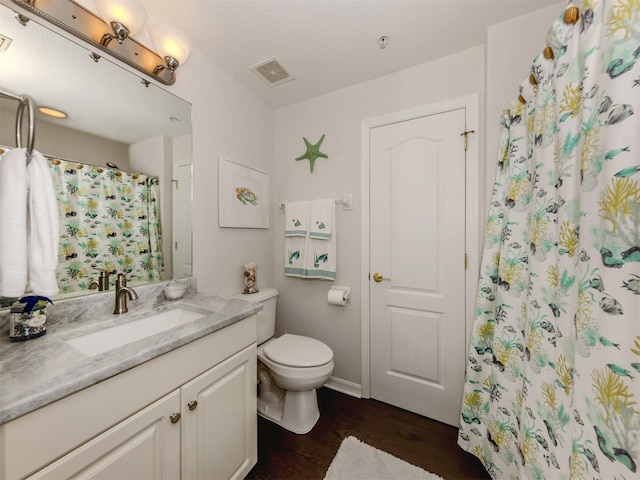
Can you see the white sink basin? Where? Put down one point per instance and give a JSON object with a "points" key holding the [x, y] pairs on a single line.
{"points": [[109, 338]]}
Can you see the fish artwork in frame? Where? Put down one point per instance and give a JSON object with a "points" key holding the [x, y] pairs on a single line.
{"points": [[243, 196]]}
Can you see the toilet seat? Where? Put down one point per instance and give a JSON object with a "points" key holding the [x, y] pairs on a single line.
{"points": [[298, 351]]}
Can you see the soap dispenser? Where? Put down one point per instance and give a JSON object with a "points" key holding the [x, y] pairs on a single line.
{"points": [[28, 318]]}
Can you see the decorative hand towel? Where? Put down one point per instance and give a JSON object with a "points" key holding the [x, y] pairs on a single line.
{"points": [[320, 256], [321, 219], [294, 255], [296, 215], [13, 223], [43, 231]]}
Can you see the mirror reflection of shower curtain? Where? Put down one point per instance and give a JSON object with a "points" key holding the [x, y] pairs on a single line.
{"points": [[552, 388], [109, 220]]}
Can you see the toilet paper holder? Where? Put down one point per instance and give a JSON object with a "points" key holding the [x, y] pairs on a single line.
{"points": [[345, 292]]}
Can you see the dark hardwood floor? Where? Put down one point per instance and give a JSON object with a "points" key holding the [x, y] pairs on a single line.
{"points": [[426, 443]]}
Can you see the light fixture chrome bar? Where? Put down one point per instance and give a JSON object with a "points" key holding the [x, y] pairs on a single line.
{"points": [[75, 19]]}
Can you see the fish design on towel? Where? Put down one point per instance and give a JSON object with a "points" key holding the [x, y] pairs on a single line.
{"points": [[322, 258], [296, 214], [321, 214], [310, 244], [293, 256]]}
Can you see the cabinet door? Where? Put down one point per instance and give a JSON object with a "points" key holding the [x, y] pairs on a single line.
{"points": [[219, 434], [144, 446]]}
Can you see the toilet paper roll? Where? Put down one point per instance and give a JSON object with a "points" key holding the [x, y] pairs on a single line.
{"points": [[336, 297]]}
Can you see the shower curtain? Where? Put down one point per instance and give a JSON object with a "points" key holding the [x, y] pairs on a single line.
{"points": [[109, 220], [552, 386]]}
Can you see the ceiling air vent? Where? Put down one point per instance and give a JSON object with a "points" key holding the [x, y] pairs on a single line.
{"points": [[272, 72]]}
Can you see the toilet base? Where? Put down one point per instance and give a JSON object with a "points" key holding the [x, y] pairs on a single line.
{"points": [[296, 411]]}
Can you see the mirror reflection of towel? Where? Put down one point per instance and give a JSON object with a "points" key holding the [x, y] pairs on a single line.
{"points": [[43, 232], [13, 223]]}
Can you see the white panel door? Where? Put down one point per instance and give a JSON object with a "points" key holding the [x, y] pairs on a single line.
{"points": [[417, 244], [182, 266]]}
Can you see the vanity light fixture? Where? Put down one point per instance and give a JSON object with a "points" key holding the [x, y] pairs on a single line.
{"points": [[52, 112], [125, 18], [171, 44], [121, 19]]}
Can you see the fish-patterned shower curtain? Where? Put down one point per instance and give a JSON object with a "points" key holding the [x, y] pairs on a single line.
{"points": [[109, 220], [552, 386]]}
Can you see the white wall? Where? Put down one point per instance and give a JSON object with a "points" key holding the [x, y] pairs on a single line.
{"points": [[154, 157], [302, 306], [511, 47], [66, 143], [228, 121]]}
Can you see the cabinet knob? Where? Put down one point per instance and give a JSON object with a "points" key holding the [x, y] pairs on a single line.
{"points": [[192, 404], [174, 417]]}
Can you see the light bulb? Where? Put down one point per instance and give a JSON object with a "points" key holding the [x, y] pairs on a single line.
{"points": [[170, 42], [129, 13]]}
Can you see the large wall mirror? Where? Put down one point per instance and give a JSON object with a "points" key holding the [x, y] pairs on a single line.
{"points": [[112, 118]]}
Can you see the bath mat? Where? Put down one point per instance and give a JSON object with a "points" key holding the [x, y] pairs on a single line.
{"points": [[356, 460]]}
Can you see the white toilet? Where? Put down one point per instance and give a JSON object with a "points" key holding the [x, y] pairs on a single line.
{"points": [[290, 368]]}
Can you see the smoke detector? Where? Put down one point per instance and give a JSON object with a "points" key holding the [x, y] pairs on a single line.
{"points": [[272, 72]]}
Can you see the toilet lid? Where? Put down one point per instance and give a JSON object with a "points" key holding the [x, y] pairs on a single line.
{"points": [[298, 351]]}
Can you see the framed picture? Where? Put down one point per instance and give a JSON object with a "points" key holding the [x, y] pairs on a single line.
{"points": [[243, 196]]}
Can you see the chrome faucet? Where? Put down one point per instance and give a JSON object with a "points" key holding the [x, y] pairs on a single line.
{"points": [[102, 283], [122, 291]]}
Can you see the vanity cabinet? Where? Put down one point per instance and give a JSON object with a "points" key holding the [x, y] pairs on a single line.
{"points": [[144, 446], [190, 413], [219, 420]]}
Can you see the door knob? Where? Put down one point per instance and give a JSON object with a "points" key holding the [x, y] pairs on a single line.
{"points": [[192, 404], [174, 417], [378, 277]]}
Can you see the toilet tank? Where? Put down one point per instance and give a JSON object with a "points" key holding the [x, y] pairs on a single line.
{"points": [[268, 297]]}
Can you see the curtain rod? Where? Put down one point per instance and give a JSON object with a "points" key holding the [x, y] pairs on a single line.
{"points": [[51, 158]]}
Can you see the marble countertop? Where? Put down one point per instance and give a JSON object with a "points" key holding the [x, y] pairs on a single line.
{"points": [[40, 371]]}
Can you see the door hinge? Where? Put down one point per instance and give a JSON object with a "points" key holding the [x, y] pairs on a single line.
{"points": [[176, 245], [464, 134], [465, 261]]}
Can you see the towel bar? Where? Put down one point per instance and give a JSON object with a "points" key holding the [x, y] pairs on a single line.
{"points": [[346, 201]]}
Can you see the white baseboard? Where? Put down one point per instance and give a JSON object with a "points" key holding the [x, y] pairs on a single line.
{"points": [[343, 386]]}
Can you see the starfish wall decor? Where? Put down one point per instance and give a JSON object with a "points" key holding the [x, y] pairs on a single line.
{"points": [[313, 152]]}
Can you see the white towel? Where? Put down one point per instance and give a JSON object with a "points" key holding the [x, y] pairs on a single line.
{"points": [[296, 215], [321, 218], [43, 228], [294, 256], [320, 256], [13, 223]]}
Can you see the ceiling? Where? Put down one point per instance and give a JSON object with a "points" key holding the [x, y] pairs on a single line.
{"points": [[330, 44], [325, 44]]}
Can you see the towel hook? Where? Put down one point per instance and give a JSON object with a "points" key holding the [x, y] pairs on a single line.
{"points": [[28, 103]]}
